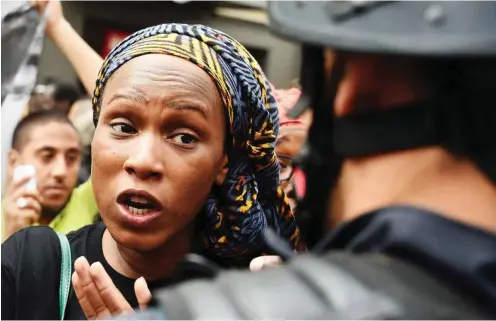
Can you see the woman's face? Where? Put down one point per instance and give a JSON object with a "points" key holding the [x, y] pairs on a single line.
{"points": [[158, 149]]}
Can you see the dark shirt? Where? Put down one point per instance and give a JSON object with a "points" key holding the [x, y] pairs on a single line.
{"points": [[31, 262], [461, 255]]}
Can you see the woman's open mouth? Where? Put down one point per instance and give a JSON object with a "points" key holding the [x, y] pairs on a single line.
{"points": [[138, 207]]}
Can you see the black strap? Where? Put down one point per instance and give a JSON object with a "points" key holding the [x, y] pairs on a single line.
{"points": [[442, 122], [385, 131]]}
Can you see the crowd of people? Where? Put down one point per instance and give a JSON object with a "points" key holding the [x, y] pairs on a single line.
{"points": [[182, 149]]}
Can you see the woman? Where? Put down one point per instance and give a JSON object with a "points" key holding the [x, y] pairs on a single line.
{"points": [[292, 135], [182, 161]]}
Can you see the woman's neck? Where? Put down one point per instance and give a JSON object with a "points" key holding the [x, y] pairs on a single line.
{"points": [[152, 265], [429, 178]]}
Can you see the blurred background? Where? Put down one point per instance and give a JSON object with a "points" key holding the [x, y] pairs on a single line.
{"points": [[104, 24]]}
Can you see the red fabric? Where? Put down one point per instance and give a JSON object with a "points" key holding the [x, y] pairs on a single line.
{"points": [[286, 100], [112, 39], [299, 183]]}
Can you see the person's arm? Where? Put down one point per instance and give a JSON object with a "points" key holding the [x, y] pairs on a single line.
{"points": [[82, 57]]}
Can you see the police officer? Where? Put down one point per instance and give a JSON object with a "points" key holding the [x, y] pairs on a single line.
{"points": [[401, 170]]}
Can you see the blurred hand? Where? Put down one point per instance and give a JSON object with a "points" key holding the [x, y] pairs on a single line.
{"points": [[55, 14], [98, 296], [21, 208], [264, 262]]}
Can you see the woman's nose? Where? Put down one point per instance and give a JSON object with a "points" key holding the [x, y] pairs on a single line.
{"points": [[147, 160]]}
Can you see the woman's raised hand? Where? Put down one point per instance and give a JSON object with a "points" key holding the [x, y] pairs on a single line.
{"points": [[98, 296], [55, 14]]}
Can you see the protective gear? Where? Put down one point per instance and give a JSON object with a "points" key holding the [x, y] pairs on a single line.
{"points": [[457, 118], [337, 286], [425, 28], [396, 263]]}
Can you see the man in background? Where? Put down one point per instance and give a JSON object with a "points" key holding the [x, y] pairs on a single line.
{"points": [[49, 142]]}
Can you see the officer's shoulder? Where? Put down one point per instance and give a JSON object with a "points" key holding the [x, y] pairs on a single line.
{"points": [[335, 285], [388, 287]]}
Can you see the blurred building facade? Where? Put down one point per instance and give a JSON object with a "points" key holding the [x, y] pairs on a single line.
{"points": [[100, 22]]}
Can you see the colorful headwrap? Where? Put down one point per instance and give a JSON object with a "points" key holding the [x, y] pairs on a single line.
{"points": [[250, 199]]}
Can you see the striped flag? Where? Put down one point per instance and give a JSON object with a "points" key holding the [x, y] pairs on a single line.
{"points": [[23, 31]]}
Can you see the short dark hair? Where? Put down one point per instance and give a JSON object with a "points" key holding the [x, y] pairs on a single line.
{"points": [[26, 125], [66, 92]]}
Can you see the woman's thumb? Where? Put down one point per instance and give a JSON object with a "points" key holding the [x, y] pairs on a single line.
{"points": [[263, 262], [143, 294]]}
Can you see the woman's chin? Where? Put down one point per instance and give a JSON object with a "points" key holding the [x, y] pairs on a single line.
{"points": [[137, 241], [157, 237]]}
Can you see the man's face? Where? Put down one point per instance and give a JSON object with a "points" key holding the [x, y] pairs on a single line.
{"points": [[54, 150]]}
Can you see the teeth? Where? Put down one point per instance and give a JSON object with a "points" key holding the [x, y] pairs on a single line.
{"points": [[139, 199], [138, 211]]}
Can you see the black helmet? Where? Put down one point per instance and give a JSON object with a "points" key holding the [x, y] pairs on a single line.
{"points": [[455, 45], [426, 28]]}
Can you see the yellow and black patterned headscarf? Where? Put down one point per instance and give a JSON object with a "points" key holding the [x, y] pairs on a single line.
{"points": [[250, 199]]}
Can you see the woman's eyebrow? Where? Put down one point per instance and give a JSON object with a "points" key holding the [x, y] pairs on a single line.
{"points": [[141, 99], [194, 107], [135, 97]]}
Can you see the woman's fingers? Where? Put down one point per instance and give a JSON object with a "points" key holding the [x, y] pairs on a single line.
{"points": [[91, 301], [112, 297], [98, 296], [86, 306], [142, 292], [263, 262]]}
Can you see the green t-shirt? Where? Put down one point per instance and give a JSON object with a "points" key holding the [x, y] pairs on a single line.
{"points": [[81, 210]]}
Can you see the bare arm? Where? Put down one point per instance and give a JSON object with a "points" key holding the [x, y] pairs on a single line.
{"points": [[82, 57]]}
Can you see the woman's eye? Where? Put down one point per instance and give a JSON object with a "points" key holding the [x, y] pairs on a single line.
{"points": [[123, 128], [184, 139]]}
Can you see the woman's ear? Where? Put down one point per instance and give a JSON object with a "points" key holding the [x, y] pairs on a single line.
{"points": [[221, 176]]}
